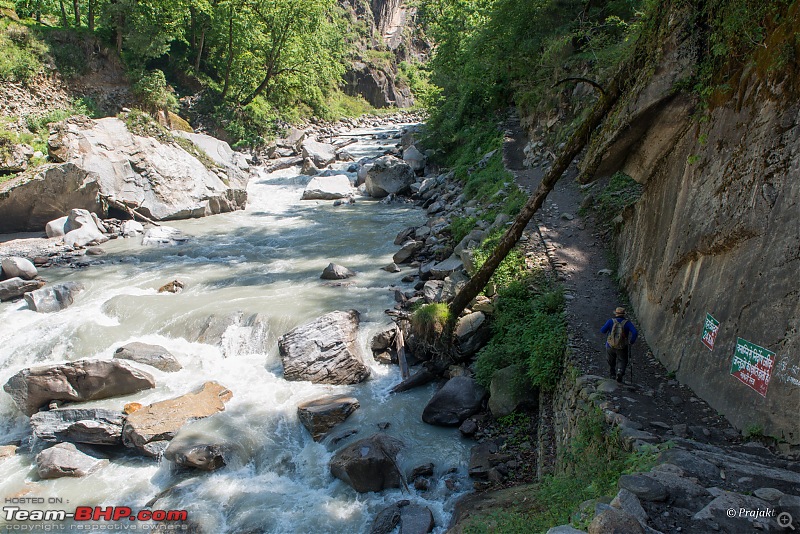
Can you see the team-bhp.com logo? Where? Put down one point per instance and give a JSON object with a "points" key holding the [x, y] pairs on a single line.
{"points": [[97, 513]]}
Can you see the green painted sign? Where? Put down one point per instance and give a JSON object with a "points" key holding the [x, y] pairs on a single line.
{"points": [[710, 329], [753, 365]]}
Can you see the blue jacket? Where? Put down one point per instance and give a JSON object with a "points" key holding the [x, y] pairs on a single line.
{"points": [[629, 328]]}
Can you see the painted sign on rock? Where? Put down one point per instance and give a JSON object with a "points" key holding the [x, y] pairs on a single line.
{"points": [[753, 365], [710, 329]]}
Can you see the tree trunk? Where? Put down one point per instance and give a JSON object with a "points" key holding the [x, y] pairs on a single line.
{"points": [[192, 16], [512, 235], [90, 15], [64, 19], [200, 50], [76, 7], [229, 63]]}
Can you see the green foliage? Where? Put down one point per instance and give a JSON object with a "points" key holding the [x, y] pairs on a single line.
{"points": [[249, 125], [528, 330], [622, 191], [511, 269], [38, 123], [460, 227], [339, 105], [142, 124], [154, 93], [417, 76], [21, 52]]}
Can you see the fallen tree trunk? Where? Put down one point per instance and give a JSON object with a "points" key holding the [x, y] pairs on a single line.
{"points": [[114, 203]]}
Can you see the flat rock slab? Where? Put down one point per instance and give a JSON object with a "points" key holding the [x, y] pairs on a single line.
{"points": [[79, 425], [16, 287], [152, 355], [369, 464], [150, 429], [324, 351], [320, 416], [65, 460], [79, 381]]}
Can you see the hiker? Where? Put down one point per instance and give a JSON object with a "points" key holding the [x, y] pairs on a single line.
{"points": [[621, 335]]}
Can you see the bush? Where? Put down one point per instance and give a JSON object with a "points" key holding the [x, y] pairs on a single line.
{"points": [[22, 52], [510, 270], [622, 191], [528, 329], [154, 93], [428, 321]]}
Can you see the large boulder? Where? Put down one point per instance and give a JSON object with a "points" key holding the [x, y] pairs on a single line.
{"points": [[218, 150], [388, 176], [16, 287], [328, 188], [324, 351], [14, 158], [131, 229], [336, 272], [48, 193], [55, 228], [65, 460], [506, 394], [79, 381], [152, 355], [369, 464], [407, 251], [150, 429], [95, 426], [412, 518], [320, 416], [459, 398], [321, 154], [163, 236], [16, 267], [53, 298], [163, 180], [81, 229]]}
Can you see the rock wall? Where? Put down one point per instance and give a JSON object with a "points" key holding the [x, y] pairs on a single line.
{"points": [[716, 231]]}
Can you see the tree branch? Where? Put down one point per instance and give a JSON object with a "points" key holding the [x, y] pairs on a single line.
{"points": [[579, 79]]}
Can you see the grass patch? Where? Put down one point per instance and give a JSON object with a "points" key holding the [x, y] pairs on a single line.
{"points": [[595, 461], [511, 269], [22, 55], [142, 124], [428, 321], [460, 227], [528, 330]]}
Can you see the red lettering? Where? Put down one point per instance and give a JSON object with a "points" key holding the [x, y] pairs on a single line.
{"points": [[103, 513], [121, 512], [83, 513], [177, 515], [159, 515], [144, 515]]}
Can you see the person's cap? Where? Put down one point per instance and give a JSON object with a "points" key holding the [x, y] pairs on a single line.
{"points": [[619, 311]]}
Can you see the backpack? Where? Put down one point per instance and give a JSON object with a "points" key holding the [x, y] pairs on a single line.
{"points": [[618, 337]]}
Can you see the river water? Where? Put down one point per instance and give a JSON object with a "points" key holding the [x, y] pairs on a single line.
{"points": [[267, 260]]}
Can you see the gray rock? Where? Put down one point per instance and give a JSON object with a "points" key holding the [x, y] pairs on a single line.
{"points": [[719, 508], [65, 460], [152, 355], [408, 249], [646, 488], [163, 180], [564, 529], [16, 267], [507, 395], [324, 351], [416, 519], [193, 450], [369, 464], [459, 398], [612, 520], [78, 381], [219, 151], [63, 187], [322, 154], [681, 491], [388, 176], [445, 268], [16, 287], [81, 229], [432, 290], [149, 429], [55, 228], [790, 504], [692, 464], [163, 236], [629, 503], [320, 416], [336, 272], [53, 298], [391, 268], [414, 158], [131, 229], [768, 494], [328, 188], [94, 426], [387, 520]]}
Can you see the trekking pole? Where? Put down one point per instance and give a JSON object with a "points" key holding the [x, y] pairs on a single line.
{"points": [[630, 362]]}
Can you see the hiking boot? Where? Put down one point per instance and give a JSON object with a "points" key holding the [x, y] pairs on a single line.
{"points": [[619, 378], [612, 373]]}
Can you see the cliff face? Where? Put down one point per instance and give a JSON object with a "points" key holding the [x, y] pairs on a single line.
{"points": [[716, 231], [388, 36]]}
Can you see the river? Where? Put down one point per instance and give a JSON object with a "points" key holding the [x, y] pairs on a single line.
{"points": [[267, 260]]}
